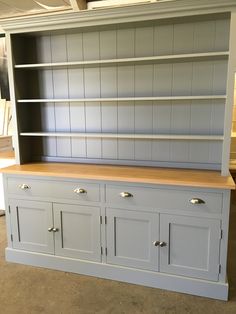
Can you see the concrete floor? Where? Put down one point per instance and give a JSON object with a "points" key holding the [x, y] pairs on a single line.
{"points": [[31, 290]]}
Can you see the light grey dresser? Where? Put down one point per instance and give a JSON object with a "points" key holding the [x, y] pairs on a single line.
{"points": [[123, 120]]}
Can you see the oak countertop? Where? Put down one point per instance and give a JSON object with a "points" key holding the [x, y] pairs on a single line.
{"points": [[149, 175]]}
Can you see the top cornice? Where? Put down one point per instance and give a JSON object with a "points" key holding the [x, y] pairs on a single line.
{"points": [[133, 13]]}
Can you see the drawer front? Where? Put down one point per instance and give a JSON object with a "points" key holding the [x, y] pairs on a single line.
{"points": [[164, 198], [56, 189]]}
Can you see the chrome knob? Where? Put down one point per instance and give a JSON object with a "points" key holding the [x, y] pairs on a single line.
{"points": [[162, 244], [126, 194], [159, 243], [55, 229], [80, 191], [50, 229], [196, 201], [24, 186]]}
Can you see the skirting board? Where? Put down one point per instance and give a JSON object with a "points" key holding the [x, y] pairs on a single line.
{"points": [[204, 288]]}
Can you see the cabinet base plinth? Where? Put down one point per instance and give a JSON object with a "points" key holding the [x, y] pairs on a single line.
{"points": [[204, 288]]}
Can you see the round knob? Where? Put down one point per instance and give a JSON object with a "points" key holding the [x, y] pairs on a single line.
{"points": [[159, 243], [196, 201], [50, 229], [24, 186], [80, 191], [126, 194], [162, 244], [55, 229]]}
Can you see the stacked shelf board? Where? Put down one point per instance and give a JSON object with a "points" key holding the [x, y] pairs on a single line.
{"points": [[149, 94]]}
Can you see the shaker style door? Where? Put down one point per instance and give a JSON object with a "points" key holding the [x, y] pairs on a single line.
{"points": [[191, 246], [31, 221], [77, 231], [132, 238]]}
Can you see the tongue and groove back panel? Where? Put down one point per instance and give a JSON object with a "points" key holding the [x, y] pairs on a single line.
{"points": [[191, 75]]}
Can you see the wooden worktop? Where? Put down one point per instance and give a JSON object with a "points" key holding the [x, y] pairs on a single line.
{"points": [[164, 176]]}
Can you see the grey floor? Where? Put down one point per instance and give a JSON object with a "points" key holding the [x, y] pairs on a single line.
{"points": [[29, 290]]}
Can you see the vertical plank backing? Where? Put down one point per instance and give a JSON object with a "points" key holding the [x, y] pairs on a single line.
{"points": [[60, 88], [201, 111], [46, 91], [222, 31], [144, 41], [125, 87], [162, 79], [180, 124], [202, 78], [163, 39], [182, 79], [180, 115], [143, 111], [183, 38], [161, 125], [92, 81], [126, 125], [109, 111], [108, 50], [93, 124], [109, 124], [125, 43], [76, 90], [204, 36], [220, 69], [217, 117]]}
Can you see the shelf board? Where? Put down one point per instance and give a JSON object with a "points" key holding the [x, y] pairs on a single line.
{"points": [[127, 136], [201, 97], [124, 61]]}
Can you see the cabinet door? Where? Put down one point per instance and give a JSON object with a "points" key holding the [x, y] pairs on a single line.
{"points": [[192, 246], [78, 231], [130, 237], [30, 222]]}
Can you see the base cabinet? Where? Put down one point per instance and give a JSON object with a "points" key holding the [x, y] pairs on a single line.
{"points": [[179, 245], [120, 235], [60, 229]]}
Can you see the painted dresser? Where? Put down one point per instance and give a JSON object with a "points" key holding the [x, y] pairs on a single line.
{"points": [[123, 120]]}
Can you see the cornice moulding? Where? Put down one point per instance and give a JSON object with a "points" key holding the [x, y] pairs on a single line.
{"points": [[142, 12]]}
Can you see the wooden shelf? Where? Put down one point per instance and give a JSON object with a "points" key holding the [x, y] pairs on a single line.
{"points": [[161, 98], [127, 61], [149, 175], [128, 136]]}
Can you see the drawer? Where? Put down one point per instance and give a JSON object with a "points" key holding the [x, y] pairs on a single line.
{"points": [[166, 199], [54, 189]]}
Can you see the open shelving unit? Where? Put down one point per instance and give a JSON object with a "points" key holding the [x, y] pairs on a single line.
{"points": [[150, 93]]}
